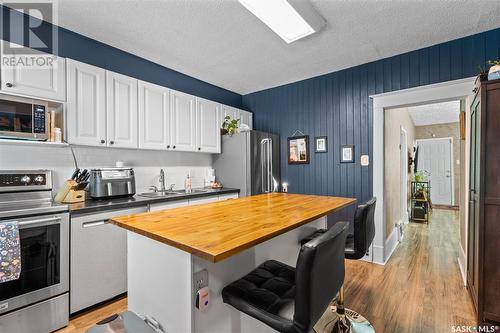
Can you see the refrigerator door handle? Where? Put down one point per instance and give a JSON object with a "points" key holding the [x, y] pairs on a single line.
{"points": [[270, 164], [262, 166]]}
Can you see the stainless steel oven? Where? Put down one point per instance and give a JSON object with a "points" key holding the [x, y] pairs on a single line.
{"points": [[23, 118], [39, 300], [44, 260]]}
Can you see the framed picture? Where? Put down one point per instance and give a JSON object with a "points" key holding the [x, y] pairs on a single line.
{"points": [[298, 149], [347, 154], [321, 144]]}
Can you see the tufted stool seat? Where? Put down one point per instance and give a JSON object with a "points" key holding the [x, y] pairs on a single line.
{"points": [[290, 299]]}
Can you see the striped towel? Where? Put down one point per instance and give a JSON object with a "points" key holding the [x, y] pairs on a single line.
{"points": [[10, 251]]}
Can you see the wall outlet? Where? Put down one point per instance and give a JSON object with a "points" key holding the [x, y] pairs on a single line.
{"points": [[200, 280]]}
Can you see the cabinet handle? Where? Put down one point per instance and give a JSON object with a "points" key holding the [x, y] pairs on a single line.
{"points": [[94, 223], [168, 146], [9, 85], [199, 148], [103, 141], [111, 142], [173, 147]]}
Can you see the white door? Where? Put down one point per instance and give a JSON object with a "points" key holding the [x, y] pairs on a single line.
{"points": [[86, 106], [121, 110], [44, 82], [435, 156], [154, 116], [208, 126], [183, 121]]}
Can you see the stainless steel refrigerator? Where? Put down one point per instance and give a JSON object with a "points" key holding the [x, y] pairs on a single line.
{"points": [[249, 161]]}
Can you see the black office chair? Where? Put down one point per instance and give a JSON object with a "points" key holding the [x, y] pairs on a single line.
{"points": [[288, 299], [357, 244]]}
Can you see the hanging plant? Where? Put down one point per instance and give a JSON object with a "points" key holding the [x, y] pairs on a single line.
{"points": [[229, 126]]}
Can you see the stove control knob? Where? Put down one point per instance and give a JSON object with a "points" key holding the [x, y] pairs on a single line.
{"points": [[25, 179], [39, 179]]}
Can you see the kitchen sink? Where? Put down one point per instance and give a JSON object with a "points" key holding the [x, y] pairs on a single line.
{"points": [[159, 194], [192, 191]]}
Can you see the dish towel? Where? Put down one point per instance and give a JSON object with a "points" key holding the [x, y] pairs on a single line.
{"points": [[10, 251]]}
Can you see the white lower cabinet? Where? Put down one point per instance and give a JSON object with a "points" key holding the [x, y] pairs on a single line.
{"points": [[98, 266], [203, 200], [228, 196], [154, 207]]}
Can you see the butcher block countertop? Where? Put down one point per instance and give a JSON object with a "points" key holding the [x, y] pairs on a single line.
{"points": [[218, 230]]}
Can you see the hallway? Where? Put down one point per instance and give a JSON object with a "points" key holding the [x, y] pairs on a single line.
{"points": [[420, 289]]}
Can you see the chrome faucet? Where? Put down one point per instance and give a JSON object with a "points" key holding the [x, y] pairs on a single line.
{"points": [[162, 180]]}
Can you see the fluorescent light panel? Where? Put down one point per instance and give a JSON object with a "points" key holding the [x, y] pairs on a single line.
{"points": [[284, 19]]}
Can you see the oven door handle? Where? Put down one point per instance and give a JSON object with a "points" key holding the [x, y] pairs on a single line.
{"points": [[40, 222]]}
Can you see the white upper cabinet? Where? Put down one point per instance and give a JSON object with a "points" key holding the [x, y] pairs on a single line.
{"points": [[154, 116], [208, 126], [46, 82], [183, 118], [244, 116], [121, 110], [86, 105]]}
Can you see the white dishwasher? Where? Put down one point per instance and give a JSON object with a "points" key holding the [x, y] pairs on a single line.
{"points": [[98, 264]]}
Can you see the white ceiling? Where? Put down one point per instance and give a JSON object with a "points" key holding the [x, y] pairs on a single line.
{"points": [[437, 113], [221, 42]]}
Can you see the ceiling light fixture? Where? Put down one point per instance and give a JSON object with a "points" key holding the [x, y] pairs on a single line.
{"points": [[290, 19]]}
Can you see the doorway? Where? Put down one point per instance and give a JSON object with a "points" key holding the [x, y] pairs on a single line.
{"points": [[435, 157]]}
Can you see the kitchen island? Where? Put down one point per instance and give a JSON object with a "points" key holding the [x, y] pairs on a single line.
{"points": [[172, 253]]}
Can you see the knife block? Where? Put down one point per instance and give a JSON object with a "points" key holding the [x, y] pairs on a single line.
{"points": [[68, 193]]}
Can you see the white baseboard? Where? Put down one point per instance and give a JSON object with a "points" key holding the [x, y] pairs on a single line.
{"points": [[462, 263], [378, 254], [390, 244]]}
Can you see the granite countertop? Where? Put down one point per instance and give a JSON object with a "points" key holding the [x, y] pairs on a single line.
{"points": [[93, 205]]}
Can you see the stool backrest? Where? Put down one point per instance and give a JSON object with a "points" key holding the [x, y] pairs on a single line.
{"points": [[319, 275], [364, 228]]}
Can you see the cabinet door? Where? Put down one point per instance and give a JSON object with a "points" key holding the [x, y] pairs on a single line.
{"points": [[98, 258], [44, 82], [245, 118], [121, 110], [228, 111], [154, 207], [203, 200], [223, 197], [154, 116], [208, 128], [86, 106], [183, 121]]}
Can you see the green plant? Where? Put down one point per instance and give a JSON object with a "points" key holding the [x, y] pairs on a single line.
{"points": [[494, 62], [230, 126], [421, 176]]}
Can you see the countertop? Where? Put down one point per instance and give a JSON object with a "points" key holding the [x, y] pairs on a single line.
{"points": [[218, 230], [92, 205]]}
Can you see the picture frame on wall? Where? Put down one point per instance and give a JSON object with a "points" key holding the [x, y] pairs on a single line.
{"points": [[347, 154], [298, 149], [321, 144]]}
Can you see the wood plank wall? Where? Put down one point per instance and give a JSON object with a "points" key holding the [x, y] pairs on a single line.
{"points": [[338, 105]]}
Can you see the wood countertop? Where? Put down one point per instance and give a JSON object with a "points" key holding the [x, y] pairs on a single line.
{"points": [[218, 230]]}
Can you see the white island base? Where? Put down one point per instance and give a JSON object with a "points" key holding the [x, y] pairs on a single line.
{"points": [[160, 281]]}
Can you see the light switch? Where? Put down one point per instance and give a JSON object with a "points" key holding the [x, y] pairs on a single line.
{"points": [[365, 160]]}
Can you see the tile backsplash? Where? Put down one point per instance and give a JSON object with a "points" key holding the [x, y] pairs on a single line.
{"points": [[146, 164]]}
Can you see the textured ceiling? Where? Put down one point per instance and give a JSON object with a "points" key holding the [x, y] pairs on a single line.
{"points": [[432, 114], [221, 42]]}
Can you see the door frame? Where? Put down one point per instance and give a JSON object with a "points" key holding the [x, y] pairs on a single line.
{"points": [[452, 166], [403, 169], [383, 246]]}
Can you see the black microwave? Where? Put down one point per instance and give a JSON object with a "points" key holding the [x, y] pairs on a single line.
{"points": [[23, 118]]}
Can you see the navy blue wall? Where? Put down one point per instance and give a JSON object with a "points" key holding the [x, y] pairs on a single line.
{"points": [[338, 105], [84, 49]]}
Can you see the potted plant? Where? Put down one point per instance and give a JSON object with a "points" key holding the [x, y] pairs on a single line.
{"points": [[229, 126], [494, 72]]}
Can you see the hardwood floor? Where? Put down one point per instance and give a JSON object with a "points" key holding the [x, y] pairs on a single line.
{"points": [[419, 290]]}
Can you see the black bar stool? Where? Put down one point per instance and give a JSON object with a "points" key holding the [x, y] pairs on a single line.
{"points": [[356, 246], [288, 299]]}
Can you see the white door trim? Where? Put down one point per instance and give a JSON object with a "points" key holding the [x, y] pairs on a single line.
{"points": [[452, 158], [445, 91], [403, 169]]}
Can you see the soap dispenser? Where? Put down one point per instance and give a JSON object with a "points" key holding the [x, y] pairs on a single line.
{"points": [[188, 184]]}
